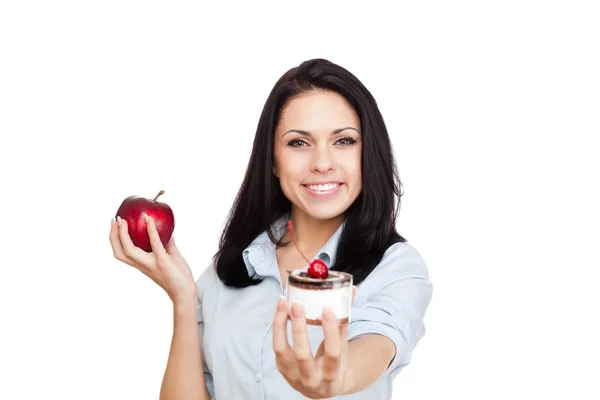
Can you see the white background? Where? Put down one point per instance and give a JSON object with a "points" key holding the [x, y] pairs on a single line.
{"points": [[493, 109]]}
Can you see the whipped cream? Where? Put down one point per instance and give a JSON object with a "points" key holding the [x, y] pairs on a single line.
{"points": [[314, 301]]}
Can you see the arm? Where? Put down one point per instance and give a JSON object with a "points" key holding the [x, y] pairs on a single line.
{"points": [[386, 324], [368, 358], [387, 320], [184, 375]]}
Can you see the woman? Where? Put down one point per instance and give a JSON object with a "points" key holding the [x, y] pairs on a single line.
{"points": [[323, 159]]}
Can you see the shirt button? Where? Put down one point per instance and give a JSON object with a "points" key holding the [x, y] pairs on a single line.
{"points": [[257, 377]]}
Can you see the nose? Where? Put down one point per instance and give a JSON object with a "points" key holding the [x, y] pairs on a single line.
{"points": [[322, 160]]}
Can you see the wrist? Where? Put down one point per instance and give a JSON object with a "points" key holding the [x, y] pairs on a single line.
{"points": [[185, 295], [185, 304]]}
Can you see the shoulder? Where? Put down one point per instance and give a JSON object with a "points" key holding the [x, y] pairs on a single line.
{"points": [[400, 261], [403, 256]]}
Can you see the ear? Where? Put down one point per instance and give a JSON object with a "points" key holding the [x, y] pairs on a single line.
{"points": [[276, 170]]}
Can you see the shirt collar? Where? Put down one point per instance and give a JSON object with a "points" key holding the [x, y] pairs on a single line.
{"points": [[260, 257], [329, 251]]}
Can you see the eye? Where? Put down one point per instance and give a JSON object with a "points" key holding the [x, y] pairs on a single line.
{"points": [[346, 141], [297, 143]]}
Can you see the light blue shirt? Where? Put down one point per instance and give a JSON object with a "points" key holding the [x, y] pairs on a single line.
{"points": [[236, 324]]}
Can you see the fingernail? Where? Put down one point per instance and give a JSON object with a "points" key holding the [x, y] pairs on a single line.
{"points": [[327, 314], [280, 304]]}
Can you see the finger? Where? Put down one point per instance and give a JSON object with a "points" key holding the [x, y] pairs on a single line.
{"points": [[115, 242], [283, 352], [134, 253], [155, 242], [332, 346], [302, 351], [354, 289], [343, 328]]}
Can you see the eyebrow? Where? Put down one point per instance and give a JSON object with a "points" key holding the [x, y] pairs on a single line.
{"points": [[340, 130]]}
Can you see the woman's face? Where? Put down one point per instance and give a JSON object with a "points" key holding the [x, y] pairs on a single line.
{"points": [[318, 154]]}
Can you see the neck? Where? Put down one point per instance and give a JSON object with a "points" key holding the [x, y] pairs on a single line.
{"points": [[311, 234]]}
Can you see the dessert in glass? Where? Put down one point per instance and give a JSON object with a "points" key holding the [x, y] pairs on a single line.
{"points": [[316, 288]]}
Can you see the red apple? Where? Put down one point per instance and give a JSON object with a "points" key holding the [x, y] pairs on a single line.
{"points": [[133, 210]]}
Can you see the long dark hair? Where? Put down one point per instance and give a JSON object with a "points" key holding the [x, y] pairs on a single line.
{"points": [[370, 223]]}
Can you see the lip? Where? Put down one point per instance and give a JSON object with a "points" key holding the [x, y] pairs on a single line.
{"points": [[322, 193]]}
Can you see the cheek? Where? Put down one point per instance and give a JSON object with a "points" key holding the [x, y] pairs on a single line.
{"points": [[358, 164], [289, 179], [291, 170], [351, 163]]}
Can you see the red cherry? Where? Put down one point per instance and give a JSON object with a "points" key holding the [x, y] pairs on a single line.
{"points": [[318, 269]]}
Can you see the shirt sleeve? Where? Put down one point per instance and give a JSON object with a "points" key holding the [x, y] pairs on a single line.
{"points": [[392, 302], [201, 284]]}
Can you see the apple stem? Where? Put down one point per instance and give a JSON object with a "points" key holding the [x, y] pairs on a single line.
{"points": [[158, 195], [294, 240]]}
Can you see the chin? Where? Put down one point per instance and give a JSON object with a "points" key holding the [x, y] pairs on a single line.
{"points": [[325, 213]]}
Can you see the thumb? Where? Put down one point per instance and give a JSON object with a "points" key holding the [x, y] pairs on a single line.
{"points": [[354, 288]]}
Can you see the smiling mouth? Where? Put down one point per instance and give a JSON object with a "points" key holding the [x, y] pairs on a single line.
{"points": [[323, 188]]}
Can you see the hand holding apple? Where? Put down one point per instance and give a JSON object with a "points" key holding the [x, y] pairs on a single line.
{"points": [[164, 265]]}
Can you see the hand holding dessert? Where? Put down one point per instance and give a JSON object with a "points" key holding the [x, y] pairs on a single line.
{"points": [[320, 376], [313, 296]]}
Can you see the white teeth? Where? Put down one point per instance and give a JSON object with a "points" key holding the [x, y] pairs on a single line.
{"points": [[323, 188]]}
